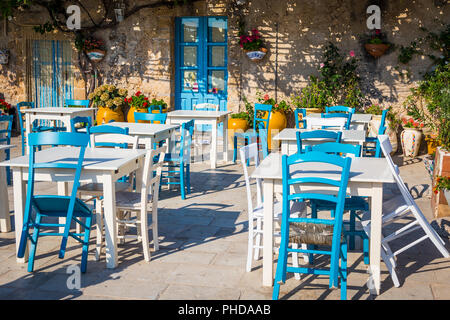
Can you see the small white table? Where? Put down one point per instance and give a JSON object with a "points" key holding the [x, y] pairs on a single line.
{"points": [[367, 176], [5, 220], [360, 121], [64, 115], [101, 165], [147, 133], [213, 118], [288, 139]]}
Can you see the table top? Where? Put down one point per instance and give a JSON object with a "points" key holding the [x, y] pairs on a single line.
{"points": [[101, 159], [356, 117], [146, 129], [6, 146], [197, 114], [362, 170], [52, 110], [289, 134]]}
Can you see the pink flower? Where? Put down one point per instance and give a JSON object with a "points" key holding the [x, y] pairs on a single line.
{"points": [[377, 31], [322, 65], [352, 53], [266, 97]]}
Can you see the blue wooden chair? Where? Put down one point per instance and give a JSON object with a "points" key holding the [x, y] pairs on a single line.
{"points": [[179, 162], [70, 207], [37, 125], [252, 134], [76, 103], [347, 116], [316, 134], [152, 117], [156, 107], [85, 122], [372, 144], [6, 122], [310, 230], [299, 115], [352, 203]]}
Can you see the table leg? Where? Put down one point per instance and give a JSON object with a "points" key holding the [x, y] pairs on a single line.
{"points": [[5, 220], [109, 204], [375, 238], [213, 151], [19, 207], [285, 147], [225, 139], [28, 125], [268, 233]]}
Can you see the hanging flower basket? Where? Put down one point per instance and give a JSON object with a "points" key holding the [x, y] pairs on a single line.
{"points": [[256, 55], [4, 56], [96, 55], [376, 50]]}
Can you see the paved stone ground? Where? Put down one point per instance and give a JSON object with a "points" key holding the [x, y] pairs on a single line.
{"points": [[203, 252]]}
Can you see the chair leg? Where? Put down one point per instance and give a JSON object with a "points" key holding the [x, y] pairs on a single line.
{"points": [[84, 254], [188, 178], [250, 247], [144, 234], [99, 226], [295, 260], [343, 271], [258, 239], [352, 230], [155, 228], [234, 149], [182, 182], [34, 240]]}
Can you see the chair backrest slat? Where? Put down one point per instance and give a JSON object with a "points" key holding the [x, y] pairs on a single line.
{"points": [[317, 136], [337, 148], [85, 122], [339, 109], [76, 103], [152, 117]]}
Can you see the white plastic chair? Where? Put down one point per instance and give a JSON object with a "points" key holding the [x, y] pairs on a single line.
{"points": [[398, 208], [144, 202], [330, 123], [200, 140], [256, 213]]}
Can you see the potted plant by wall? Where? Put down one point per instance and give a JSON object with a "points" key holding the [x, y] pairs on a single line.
{"points": [[241, 121], [442, 184], [4, 56], [94, 49], [253, 45], [154, 103], [278, 116], [377, 45], [138, 103], [411, 137], [109, 100], [314, 97]]}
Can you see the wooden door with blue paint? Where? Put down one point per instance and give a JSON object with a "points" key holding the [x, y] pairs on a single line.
{"points": [[201, 61]]}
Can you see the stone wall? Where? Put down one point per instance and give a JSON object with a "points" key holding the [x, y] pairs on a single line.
{"points": [[141, 48]]}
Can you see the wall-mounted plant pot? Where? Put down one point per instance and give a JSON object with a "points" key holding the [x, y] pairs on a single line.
{"points": [[96, 55], [256, 55], [4, 56], [376, 50]]}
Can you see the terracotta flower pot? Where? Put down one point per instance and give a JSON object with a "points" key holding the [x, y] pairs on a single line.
{"points": [[105, 115], [376, 50], [411, 138]]}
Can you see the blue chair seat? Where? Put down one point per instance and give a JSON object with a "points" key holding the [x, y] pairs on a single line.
{"points": [[351, 204], [56, 206]]}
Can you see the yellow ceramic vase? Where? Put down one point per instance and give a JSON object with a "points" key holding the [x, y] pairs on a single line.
{"points": [[277, 123], [236, 125], [132, 110], [105, 115]]}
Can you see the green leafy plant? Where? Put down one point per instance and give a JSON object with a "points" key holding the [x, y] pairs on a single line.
{"points": [[374, 109], [442, 183], [376, 37], [156, 102], [407, 53], [252, 42], [138, 100], [314, 95]]}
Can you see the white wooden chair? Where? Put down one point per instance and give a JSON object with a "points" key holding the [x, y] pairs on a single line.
{"points": [[200, 140], [398, 208], [330, 123], [144, 202], [94, 190], [256, 213]]}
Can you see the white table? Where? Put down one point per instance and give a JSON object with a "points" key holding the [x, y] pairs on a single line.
{"points": [[147, 133], [64, 115], [367, 176], [5, 220], [360, 121], [101, 165], [288, 139], [213, 118]]}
